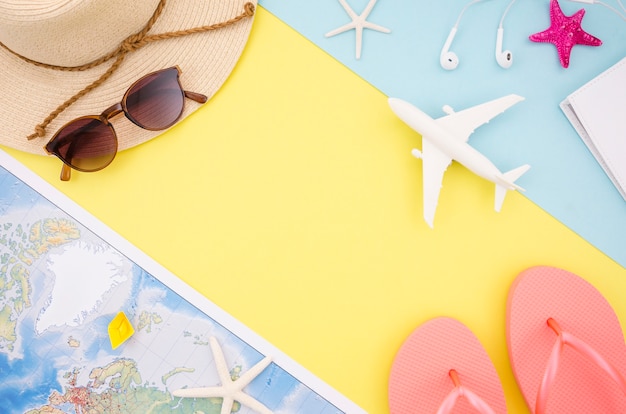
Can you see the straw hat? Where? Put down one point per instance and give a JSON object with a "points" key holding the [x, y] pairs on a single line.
{"points": [[71, 33]]}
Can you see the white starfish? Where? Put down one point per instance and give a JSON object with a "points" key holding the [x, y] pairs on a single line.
{"points": [[358, 23], [230, 391]]}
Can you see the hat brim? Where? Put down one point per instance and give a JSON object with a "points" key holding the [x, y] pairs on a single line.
{"points": [[29, 93]]}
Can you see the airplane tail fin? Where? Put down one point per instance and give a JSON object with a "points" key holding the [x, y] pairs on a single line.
{"points": [[507, 182]]}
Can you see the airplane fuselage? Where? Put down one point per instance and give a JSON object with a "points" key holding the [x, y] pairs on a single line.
{"points": [[449, 144]]}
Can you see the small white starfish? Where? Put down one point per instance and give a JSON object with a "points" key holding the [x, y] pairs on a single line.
{"points": [[230, 391], [358, 23]]}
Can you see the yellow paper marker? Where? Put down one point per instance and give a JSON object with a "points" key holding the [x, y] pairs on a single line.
{"points": [[120, 330]]}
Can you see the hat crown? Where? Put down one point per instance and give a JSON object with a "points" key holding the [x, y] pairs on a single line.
{"points": [[70, 32]]}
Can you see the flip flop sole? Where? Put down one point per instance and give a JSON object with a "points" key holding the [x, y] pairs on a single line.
{"points": [[420, 381], [580, 386]]}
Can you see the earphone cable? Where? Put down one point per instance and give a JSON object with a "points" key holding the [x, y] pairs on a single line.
{"points": [[458, 20], [506, 11], [613, 9]]}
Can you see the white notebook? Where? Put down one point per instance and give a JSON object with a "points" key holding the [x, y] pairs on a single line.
{"points": [[598, 113]]}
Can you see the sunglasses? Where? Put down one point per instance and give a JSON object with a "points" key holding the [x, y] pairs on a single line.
{"points": [[89, 143]]}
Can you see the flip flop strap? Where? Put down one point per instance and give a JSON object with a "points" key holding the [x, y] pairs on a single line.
{"points": [[566, 338], [460, 391]]}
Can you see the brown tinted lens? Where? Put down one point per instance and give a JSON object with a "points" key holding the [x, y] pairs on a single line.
{"points": [[156, 101], [86, 144]]}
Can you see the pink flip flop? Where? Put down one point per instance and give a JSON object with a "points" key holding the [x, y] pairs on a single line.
{"points": [[443, 368], [565, 344]]}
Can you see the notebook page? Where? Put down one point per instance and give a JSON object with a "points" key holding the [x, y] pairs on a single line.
{"points": [[598, 112]]}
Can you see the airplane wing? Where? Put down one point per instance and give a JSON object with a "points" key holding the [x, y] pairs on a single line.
{"points": [[464, 122], [434, 164]]}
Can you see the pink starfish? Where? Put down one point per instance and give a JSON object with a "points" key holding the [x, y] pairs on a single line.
{"points": [[565, 32]]}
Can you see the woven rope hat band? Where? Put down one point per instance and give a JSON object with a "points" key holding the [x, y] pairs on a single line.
{"points": [[204, 38]]}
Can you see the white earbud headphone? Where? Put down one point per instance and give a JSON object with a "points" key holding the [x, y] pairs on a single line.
{"points": [[504, 58], [449, 60]]}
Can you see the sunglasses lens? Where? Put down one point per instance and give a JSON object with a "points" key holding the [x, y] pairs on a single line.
{"points": [[155, 102], [86, 144]]}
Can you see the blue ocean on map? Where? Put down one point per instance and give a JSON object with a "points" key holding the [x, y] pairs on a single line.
{"points": [[26, 381]]}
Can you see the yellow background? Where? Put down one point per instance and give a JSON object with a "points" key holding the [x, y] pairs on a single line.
{"points": [[292, 201]]}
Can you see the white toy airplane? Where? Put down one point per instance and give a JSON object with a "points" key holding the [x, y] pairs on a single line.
{"points": [[445, 139]]}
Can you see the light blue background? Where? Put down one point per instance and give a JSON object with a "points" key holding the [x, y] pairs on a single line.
{"points": [[565, 180]]}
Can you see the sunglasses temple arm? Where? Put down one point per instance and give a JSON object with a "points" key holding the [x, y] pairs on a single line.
{"points": [[198, 97], [66, 172]]}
